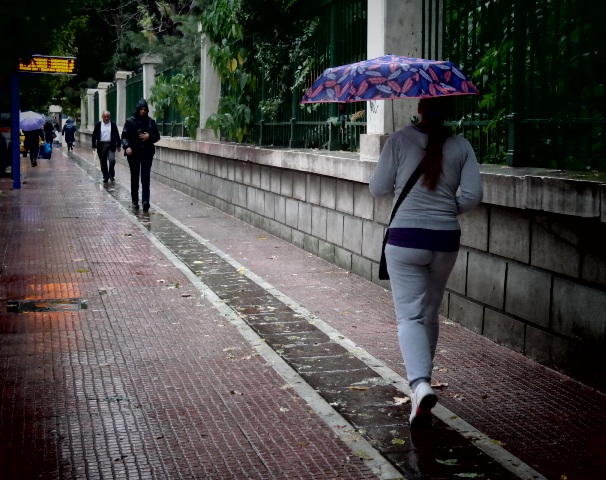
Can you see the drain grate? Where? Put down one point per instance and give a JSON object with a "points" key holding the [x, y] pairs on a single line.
{"points": [[47, 305]]}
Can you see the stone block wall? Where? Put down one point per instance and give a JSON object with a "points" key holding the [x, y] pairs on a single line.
{"points": [[531, 273]]}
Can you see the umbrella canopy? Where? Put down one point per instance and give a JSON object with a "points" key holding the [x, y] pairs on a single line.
{"points": [[389, 77], [31, 121]]}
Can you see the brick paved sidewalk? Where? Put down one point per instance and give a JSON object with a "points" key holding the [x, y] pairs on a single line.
{"points": [[150, 381]]}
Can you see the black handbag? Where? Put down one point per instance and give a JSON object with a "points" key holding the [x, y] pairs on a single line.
{"points": [[383, 273]]}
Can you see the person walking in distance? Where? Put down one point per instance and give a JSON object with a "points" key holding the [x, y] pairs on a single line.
{"points": [[69, 133], [32, 143], [423, 237], [106, 140], [139, 135]]}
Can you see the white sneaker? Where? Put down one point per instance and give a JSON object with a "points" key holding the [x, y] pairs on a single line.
{"points": [[423, 400]]}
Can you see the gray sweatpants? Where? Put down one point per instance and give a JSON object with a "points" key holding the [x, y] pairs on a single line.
{"points": [[418, 280]]}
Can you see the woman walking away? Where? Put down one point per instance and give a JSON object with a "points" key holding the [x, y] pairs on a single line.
{"points": [[31, 143], [423, 238]]}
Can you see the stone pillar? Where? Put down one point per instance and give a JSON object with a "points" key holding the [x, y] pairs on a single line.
{"points": [[83, 114], [149, 63], [210, 92], [121, 113], [90, 118], [394, 27], [102, 89]]}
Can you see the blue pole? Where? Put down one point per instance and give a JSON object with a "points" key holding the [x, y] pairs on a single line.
{"points": [[15, 137]]}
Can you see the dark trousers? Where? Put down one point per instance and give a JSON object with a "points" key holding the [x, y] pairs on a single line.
{"points": [[139, 165], [33, 153], [106, 156]]}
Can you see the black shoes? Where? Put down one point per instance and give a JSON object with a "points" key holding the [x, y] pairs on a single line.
{"points": [[136, 206], [105, 180], [145, 206], [113, 179]]}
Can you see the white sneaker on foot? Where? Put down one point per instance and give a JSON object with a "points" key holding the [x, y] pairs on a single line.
{"points": [[423, 399]]}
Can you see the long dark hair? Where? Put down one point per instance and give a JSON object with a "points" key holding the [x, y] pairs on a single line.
{"points": [[434, 112]]}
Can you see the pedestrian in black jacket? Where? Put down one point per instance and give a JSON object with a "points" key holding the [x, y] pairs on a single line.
{"points": [[139, 134], [69, 133], [106, 140], [32, 144]]}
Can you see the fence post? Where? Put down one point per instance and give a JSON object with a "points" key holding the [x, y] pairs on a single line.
{"points": [[515, 156], [120, 79], [102, 88], [149, 63], [512, 133], [334, 139], [210, 91], [83, 110], [90, 120], [293, 143]]}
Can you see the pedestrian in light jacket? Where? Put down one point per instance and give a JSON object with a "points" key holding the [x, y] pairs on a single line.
{"points": [[106, 140]]}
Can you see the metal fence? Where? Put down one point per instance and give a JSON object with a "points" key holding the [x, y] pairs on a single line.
{"points": [[112, 101], [96, 113], [339, 38], [537, 64], [171, 123], [134, 92]]}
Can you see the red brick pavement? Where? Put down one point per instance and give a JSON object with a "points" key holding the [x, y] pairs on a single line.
{"points": [[149, 381], [141, 382]]}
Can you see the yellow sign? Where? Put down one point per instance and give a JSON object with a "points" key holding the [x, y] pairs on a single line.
{"points": [[50, 65]]}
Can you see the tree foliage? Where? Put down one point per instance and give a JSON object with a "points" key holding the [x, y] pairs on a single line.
{"points": [[180, 91], [250, 46]]}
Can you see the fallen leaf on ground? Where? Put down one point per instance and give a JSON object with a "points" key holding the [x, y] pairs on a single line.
{"points": [[401, 400], [438, 385], [273, 257], [353, 387], [235, 392]]}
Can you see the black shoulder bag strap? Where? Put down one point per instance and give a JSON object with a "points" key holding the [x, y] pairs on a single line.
{"points": [[383, 274]]}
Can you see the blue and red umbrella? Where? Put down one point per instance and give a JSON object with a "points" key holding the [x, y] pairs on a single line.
{"points": [[389, 77]]}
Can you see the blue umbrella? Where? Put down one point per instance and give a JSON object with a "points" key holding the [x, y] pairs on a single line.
{"points": [[29, 121], [389, 77]]}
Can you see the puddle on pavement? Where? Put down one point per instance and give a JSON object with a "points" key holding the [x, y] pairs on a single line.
{"points": [[46, 305]]}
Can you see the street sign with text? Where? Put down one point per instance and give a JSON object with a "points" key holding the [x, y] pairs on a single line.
{"points": [[49, 65]]}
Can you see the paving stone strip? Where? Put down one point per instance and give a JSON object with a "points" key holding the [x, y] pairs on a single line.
{"points": [[364, 398]]}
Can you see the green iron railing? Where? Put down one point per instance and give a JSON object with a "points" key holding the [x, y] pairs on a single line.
{"points": [[112, 101], [340, 38], [536, 65], [97, 114], [171, 124], [134, 92]]}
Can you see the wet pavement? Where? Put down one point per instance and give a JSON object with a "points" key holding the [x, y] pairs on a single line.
{"points": [[183, 343]]}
